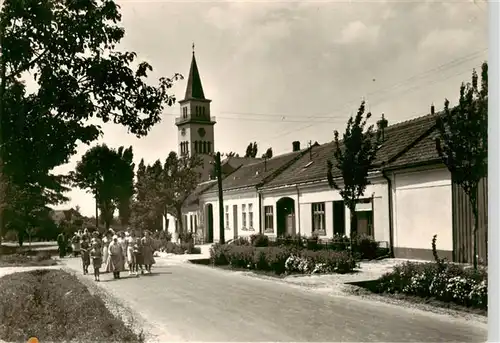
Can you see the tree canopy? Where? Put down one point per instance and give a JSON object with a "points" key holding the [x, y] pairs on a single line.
{"points": [[354, 157], [66, 51], [164, 188], [462, 141], [109, 175], [252, 150]]}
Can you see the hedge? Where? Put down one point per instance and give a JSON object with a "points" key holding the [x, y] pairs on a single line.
{"points": [[280, 259], [363, 246]]}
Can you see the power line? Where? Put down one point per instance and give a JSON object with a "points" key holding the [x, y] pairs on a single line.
{"points": [[406, 91], [286, 118]]}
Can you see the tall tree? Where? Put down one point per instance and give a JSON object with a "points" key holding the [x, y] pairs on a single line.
{"points": [[354, 157], [169, 185], [252, 150], [68, 49], [268, 154], [462, 141], [103, 172], [125, 183]]}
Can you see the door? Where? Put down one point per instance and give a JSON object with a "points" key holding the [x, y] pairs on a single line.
{"points": [[235, 221], [290, 224], [338, 218], [210, 220], [365, 220]]}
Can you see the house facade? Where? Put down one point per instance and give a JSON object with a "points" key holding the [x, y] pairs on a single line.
{"points": [[410, 198], [425, 202]]}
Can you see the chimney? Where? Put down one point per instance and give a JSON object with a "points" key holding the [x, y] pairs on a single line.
{"points": [[296, 146]]}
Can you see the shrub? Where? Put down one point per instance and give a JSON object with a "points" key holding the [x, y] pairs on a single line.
{"points": [[241, 241], [218, 254], [365, 246], [174, 248], [186, 237], [324, 261], [240, 256], [259, 240], [448, 282]]}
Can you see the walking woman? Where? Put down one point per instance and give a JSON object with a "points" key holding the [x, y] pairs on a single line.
{"points": [[147, 251], [85, 252], [116, 257], [123, 241], [96, 256], [130, 254], [75, 244], [106, 241]]}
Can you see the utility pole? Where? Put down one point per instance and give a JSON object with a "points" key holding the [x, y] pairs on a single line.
{"points": [[3, 179], [218, 172]]}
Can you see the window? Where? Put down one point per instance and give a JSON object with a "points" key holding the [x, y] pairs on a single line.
{"points": [[227, 216], [195, 223], [250, 216], [196, 146], [184, 112], [209, 146], [203, 111], [244, 216], [269, 222], [318, 218], [204, 147], [197, 111]]}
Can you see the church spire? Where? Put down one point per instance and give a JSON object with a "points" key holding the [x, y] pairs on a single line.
{"points": [[194, 89]]}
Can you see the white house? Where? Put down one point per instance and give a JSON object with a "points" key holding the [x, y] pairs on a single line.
{"points": [[241, 201], [300, 201], [425, 203]]}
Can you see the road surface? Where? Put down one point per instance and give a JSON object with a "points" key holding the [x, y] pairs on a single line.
{"points": [[197, 303]]}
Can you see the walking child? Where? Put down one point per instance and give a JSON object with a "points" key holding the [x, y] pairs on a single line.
{"points": [[138, 257], [96, 255], [85, 253]]}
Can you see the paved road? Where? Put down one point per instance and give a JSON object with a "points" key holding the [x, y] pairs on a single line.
{"points": [[197, 303]]}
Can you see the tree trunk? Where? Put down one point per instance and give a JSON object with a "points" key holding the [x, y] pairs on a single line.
{"points": [[180, 227], [475, 212], [354, 227]]}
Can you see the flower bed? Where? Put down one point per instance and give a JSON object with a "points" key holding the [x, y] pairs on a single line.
{"points": [[441, 281], [281, 260], [27, 259], [363, 247], [180, 249], [55, 306]]}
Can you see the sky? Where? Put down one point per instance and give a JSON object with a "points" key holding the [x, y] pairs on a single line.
{"points": [[277, 72]]}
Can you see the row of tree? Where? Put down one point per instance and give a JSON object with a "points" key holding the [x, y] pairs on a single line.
{"points": [[252, 151]]}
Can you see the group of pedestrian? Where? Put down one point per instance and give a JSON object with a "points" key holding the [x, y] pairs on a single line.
{"points": [[113, 252]]}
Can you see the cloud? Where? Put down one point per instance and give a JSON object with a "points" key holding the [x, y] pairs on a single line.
{"points": [[356, 32]]}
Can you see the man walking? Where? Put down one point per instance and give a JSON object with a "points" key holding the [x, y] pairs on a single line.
{"points": [[61, 243]]}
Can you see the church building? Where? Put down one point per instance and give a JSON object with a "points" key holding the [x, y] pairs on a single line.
{"points": [[195, 125]]}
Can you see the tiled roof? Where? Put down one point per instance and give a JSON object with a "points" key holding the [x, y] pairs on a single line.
{"points": [[253, 174], [423, 151], [192, 200], [313, 167]]}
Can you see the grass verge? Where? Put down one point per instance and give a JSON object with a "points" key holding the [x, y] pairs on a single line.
{"points": [[369, 288], [55, 306], [27, 259]]}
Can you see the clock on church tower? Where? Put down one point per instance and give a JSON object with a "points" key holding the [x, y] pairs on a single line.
{"points": [[195, 125]]}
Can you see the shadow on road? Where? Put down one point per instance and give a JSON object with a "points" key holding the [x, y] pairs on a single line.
{"points": [[131, 277]]}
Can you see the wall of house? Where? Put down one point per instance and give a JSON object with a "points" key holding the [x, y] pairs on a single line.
{"points": [[422, 208], [322, 193], [231, 199]]}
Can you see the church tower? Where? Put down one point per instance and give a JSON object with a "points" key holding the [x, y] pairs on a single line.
{"points": [[195, 125]]}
